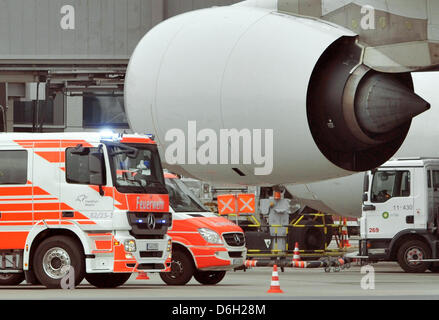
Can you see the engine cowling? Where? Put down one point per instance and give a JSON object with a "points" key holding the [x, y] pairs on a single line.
{"points": [[252, 68]]}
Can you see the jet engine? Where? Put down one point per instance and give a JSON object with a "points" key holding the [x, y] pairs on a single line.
{"points": [[303, 106]]}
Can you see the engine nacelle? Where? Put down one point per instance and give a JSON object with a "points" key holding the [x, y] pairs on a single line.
{"points": [[250, 68]]}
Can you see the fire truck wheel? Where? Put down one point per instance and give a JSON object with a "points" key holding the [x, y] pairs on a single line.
{"points": [[209, 277], [414, 250], [182, 269], [107, 280], [53, 259], [11, 279]]}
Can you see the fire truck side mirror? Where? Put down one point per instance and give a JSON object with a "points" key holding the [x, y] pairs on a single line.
{"points": [[96, 166]]}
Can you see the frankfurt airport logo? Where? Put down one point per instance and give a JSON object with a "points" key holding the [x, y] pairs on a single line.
{"points": [[228, 146]]}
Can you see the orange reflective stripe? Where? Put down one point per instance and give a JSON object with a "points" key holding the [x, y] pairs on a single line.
{"points": [[65, 207], [204, 262], [74, 143], [52, 156], [16, 191], [15, 207], [52, 143], [37, 191], [103, 244], [46, 206], [13, 239], [46, 215], [137, 140], [121, 198], [16, 223], [17, 216]]}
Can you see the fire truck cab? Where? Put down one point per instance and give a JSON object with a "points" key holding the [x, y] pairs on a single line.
{"points": [[204, 245], [75, 205]]}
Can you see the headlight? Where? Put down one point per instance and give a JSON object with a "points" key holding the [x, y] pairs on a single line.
{"points": [[130, 245], [210, 236]]}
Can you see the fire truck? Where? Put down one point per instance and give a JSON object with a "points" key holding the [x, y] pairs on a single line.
{"points": [[204, 245], [81, 205]]}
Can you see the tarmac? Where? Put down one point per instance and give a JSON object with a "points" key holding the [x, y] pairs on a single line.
{"points": [[388, 279], [384, 280]]}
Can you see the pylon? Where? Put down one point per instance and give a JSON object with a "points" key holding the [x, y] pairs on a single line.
{"points": [[344, 231], [296, 253], [142, 276], [275, 286]]}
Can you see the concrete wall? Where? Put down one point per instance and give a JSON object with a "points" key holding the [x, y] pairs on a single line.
{"points": [[103, 29]]}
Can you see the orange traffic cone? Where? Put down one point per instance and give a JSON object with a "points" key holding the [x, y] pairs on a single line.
{"points": [[274, 286], [142, 276], [296, 253], [344, 231]]}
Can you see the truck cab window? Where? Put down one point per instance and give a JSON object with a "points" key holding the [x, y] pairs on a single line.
{"points": [[136, 168], [435, 180], [390, 184], [77, 165], [429, 178], [13, 167]]}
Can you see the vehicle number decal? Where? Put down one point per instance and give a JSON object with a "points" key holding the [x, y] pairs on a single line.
{"points": [[403, 207]]}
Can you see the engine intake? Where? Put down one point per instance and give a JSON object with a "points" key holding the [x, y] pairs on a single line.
{"points": [[358, 117]]}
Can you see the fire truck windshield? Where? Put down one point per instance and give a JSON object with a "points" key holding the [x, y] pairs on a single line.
{"points": [[136, 167], [181, 198]]}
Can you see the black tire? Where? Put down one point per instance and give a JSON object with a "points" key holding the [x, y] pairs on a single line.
{"points": [[11, 279], [434, 269], [60, 251], [412, 250], [31, 278], [182, 269], [107, 280], [209, 277]]}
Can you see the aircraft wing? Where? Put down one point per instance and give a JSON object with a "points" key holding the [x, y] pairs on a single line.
{"points": [[398, 35]]}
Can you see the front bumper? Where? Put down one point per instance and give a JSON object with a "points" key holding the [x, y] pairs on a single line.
{"points": [[151, 255], [224, 257], [219, 258], [375, 249]]}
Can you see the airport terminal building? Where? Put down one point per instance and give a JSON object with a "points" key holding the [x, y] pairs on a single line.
{"points": [[63, 63]]}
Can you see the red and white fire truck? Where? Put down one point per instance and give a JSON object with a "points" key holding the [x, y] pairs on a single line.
{"points": [[204, 245], [81, 204]]}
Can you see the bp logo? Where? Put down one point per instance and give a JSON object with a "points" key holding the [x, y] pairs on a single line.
{"points": [[385, 215]]}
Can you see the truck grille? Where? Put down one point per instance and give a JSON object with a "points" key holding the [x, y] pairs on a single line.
{"points": [[234, 239], [151, 254], [149, 224], [150, 266], [237, 254]]}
